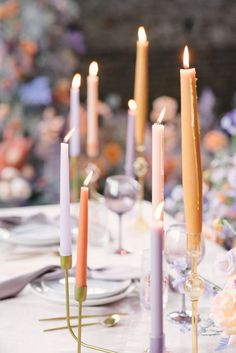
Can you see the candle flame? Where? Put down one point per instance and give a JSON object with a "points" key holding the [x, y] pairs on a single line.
{"points": [[161, 116], [159, 212], [88, 178], [76, 82], [132, 105], [142, 37], [68, 136], [93, 68], [186, 58]]}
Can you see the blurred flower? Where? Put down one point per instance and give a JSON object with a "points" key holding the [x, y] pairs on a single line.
{"points": [[228, 122], [169, 103], [37, 92], [112, 153], [215, 140], [223, 309], [226, 263]]}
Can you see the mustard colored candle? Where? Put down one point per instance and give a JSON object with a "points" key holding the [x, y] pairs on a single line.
{"points": [[141, 86], [191, 156]]}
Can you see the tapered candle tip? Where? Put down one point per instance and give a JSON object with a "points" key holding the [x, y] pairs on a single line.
{"points": [[76, 81], [93, 68], [132, 105], [68, 136], [88, 178], [186, 58], [161, 115], [159, 212], [142, 37]]}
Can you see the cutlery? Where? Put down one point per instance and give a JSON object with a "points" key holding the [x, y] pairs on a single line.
{"points": [[109, 321], [84, 316]]}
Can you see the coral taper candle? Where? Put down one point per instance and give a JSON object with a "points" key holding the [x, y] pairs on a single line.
{"points": [[81, 266], [191, 157], [158, 162], [141, 86], [74, 116], [130, 139], [92, 110], [156, 297], [65, 231]]}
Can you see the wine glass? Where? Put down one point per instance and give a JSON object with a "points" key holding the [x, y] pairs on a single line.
{"points": [[180, 265], [120, 194]]}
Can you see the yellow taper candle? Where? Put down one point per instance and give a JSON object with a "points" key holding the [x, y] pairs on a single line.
{"points": [[141, 86], [191, 157]]}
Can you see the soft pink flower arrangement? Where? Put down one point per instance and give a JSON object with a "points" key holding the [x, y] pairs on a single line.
{"points": [[223, 307]]}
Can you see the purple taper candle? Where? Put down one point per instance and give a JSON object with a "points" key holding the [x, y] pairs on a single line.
{"points": [[156, 299], [130, 139]]}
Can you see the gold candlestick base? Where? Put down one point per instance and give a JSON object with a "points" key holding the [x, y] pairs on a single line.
{"points": [[194, 287], [74, 177], [80, 296], [140, 169]]}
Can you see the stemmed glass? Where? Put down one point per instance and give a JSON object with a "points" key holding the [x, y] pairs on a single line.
{"points": [[120, 194], [180, 263]]}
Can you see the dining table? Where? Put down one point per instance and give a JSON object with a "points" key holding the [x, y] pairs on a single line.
{"points": [[22, 332]]}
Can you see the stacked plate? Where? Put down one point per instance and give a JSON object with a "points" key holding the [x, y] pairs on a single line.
{"points": [[100, 292]]}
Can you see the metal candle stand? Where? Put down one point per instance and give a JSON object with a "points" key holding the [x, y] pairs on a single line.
{"points": [[80, 296], [140, 169], [194, 286]]}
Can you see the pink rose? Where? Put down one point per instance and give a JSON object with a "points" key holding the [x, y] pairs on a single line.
{"points": [[223, 309]]}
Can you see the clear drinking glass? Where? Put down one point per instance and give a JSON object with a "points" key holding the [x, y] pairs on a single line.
{"points": [[121, 194], [179, 265]]}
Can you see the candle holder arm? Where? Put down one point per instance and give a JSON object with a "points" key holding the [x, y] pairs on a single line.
{"points": [[78, 339]]}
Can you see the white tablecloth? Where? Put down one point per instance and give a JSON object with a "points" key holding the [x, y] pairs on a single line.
{"points": [[21, 332]]}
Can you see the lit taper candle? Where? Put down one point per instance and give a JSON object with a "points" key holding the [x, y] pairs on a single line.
{"points": [[158, 162], [191, 157], [130, 139], [156, 296], [141, 86], [82, 245], [65, 230], [74, 115], [92, 110]]}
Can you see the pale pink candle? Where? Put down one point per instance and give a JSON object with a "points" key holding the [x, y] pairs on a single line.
{"points": [[156, 297], [158, 162], [74, 115], [82, 244], [130, 139], [92, 110]]}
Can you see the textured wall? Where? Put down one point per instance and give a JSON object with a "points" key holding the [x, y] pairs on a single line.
{"points": [[208, 26]]}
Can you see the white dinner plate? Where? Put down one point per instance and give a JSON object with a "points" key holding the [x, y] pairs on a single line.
{"points": [[32, 234], [99, 292]]}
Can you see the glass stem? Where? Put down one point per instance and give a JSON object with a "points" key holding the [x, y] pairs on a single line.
{"points": [[183, 307], [120, 233]]}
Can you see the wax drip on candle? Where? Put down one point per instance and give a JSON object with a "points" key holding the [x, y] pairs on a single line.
{"points": [[76, 82], [186, 58], [93, 68], [161, 115], [158, 216], [88, 178], [68, 136], [132, 105], [142, 37]]}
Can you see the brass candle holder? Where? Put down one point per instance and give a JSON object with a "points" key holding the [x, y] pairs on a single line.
{"points": [[194, 285], [80, 297], [140, 170], [74, 173]]}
